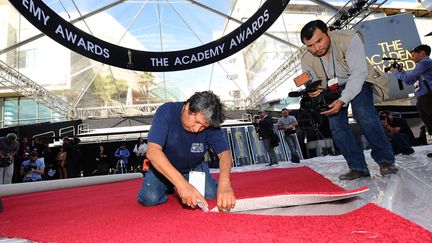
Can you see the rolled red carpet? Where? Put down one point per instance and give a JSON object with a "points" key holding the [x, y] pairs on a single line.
{"points": [[110, 213]]}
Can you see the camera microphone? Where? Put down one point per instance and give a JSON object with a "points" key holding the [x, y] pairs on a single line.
{"points": [[389, 59], [295, 94]]}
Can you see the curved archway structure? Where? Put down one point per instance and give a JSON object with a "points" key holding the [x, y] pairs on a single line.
{"points": [[50, 23]]}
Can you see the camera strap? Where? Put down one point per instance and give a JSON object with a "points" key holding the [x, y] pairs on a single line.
{"points": [[426, 83], [334, 67]]}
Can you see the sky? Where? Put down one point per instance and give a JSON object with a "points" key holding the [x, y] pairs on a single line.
{"points": [[168, 25]]}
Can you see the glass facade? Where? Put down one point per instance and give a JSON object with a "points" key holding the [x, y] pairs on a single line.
{"points": [[25, 111]]}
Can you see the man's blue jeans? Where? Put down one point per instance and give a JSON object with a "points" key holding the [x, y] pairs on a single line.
{"points": [[370, 125], [155, 186], [292, 141]]}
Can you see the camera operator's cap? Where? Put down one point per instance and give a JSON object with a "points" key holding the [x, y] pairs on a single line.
{"points": [[11, 136], [420, 48]]}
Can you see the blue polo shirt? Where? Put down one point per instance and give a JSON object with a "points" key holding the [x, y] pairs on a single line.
{"points": [[185, 150], [39, 163]]}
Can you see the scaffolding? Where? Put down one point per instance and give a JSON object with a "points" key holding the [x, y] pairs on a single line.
{"points": [[14, 80]]}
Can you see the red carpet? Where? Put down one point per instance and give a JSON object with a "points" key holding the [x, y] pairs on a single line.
{"points": [[109, 213], [284, 187]]}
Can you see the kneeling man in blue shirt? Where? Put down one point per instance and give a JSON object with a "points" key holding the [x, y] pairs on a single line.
{"points": [[177, 141]]}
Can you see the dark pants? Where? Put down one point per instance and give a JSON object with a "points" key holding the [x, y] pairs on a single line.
{"points": [[401, 143], [72, 170], [424, 106], [270, 151]]}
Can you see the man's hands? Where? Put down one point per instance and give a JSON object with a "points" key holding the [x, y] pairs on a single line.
{"points": [[189, 195], [335, 107], [225, 197]]}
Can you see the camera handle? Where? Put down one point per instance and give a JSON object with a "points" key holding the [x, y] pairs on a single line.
{"points": [[400, 83]]}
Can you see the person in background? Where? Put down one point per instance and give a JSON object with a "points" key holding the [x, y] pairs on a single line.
{"points": [[23, 154], [71, 158], [40, 146], [140, 150], [9, 147], [264, 126], [122, 153], [61, 161], [399, 133], [287, 124], [33, 168], [102, 161], [421, 78]]}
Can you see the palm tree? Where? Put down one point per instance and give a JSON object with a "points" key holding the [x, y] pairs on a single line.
{"points": [[146, 79], [105, 88]]}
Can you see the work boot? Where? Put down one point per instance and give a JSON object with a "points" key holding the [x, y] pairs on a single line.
{"points": [[387, 169], [295, 159], [354, 174], [408, 151]]}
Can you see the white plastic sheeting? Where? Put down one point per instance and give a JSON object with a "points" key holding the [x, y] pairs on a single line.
{"points": [[408, 193]]}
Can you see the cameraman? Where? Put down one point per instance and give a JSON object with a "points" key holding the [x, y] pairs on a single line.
{"points": [[33, 169], [399, 133], [421, 77], [338, 58]]}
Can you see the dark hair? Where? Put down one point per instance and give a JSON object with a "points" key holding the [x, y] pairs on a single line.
{"points": [[308, 30], [208, 104], [33, 153], [384, 118], [11, 136], [384, 113], [424, 48], [284, 109]]}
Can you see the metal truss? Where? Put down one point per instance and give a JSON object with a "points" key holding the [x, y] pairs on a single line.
{"points": [[354, 10], [289, 68], [14, 80], [117, 111], [140, 110]]}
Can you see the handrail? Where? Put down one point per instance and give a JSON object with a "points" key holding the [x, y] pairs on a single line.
{"points": [[65, 128], [83, 128]]}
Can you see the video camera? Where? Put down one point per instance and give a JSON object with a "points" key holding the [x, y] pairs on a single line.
{"points": [[394, 64], [315, 104], [29, 167]]}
